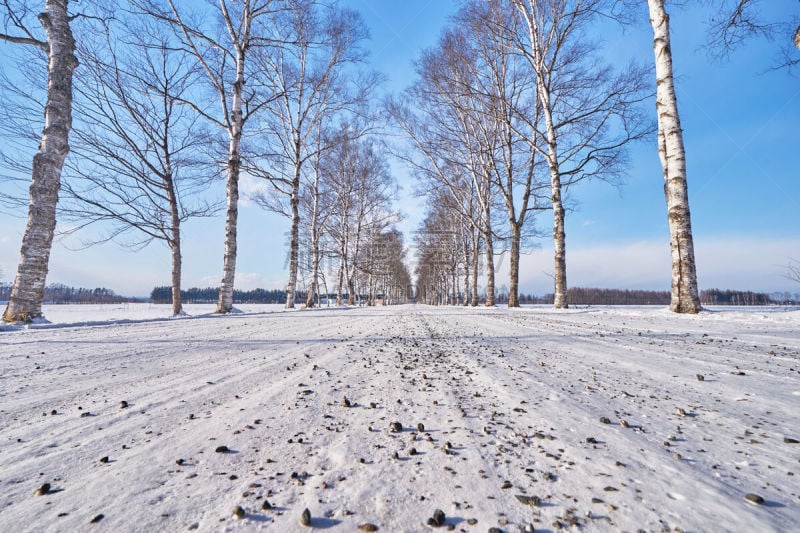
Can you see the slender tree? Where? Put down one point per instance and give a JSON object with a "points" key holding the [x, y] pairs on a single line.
{"points": [[27, 294], [314, 89], [223, 56], [589, 113], [140, 154], [685, 296]]}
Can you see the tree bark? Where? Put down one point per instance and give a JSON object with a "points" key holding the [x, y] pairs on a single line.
{"points": [[685, 296], [513, 289], [476, 250], [175, 245], [487, 235], [27, 293], [294, 245]]}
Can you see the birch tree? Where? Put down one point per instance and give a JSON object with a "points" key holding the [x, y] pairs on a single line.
{"points": [[685, 297], [223, 56], [141, 156], [27, 293], [590, 113], [314, 88]]}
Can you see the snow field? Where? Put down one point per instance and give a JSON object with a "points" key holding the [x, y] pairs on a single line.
{"points": [[597, 413]]}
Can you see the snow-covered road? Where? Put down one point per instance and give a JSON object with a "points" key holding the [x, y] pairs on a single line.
{"points": [[610, 419]]}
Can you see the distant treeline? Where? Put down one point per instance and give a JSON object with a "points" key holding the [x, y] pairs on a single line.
{"points": [[195, 295], [594, 296], [56, 293]]}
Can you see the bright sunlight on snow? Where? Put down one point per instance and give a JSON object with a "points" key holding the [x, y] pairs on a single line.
{"points": [[598, 419]]}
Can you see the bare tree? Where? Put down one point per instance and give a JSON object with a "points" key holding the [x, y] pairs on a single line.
{"points": [[310, 75], [735, 21], [223, 55], [685, 296], [589, 113], [27, 294], [793, 270], [141, 156]]}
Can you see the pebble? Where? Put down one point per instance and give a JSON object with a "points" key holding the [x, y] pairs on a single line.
{"points": [[421, 428], [789, 440], [755, 499], [412, 451], [591, 440], [123, 404], [104, 459], [438, 518], [222, 449], [346, 402], [396, 427], [305, 518], [266, 506], [604, 420], [44, 489], [624, 423], [97, 518], [368, 527], [533, 501], [700, 377], [238, 512], [681, 411]]}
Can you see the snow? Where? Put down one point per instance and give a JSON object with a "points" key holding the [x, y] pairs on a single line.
{"points": [[518, 394]]}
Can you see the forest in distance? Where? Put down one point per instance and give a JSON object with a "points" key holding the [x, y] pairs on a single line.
{"points": [[57, 294], [151, 105]]}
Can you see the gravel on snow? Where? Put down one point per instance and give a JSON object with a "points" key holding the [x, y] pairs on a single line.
{"points": [[407, 418]]}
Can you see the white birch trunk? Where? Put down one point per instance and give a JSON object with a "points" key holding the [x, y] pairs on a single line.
{"points": [[294, 246], [685, 297], [225, 303], [175, 244], [27, 293], [487, 235]]}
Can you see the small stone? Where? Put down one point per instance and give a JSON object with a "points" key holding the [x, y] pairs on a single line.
{"points": [[604, 420], [624, 423], [412, 451], [495, 530], [53, 412], [438, 518], [346, 402], [123, 404], [396, 427], [700, 377], [179, 462], [421, 428], [678, 457], [238, 512], [266, 506], [789, 440], [97, 518], [533, 501], [610, 489], [222, 449], [755, 499], [305, 518], [104, 459], [395, 456], [591, 440], [368, 527], [506, 485], [44, 489], [373, 405], [472, 521]]}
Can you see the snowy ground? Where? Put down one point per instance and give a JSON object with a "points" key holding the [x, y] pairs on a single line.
{"points": [[514, 406]]}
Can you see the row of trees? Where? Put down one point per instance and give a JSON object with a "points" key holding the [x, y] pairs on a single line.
{"points": [[170, 96], [514, 107], [57, 293]]}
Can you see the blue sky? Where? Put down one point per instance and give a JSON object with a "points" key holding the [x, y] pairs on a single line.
{"points": [[740, 121]]}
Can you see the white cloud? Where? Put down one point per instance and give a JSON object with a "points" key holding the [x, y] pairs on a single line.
{"points": [[250, 187]]}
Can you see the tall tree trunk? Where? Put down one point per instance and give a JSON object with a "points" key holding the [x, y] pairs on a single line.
{"points": [[487, 235], [27, 293], [513, 291], [175, 244], [476, 251], [465, 300], [559, 234], [225, 303], [685, 298], [340, 281], [295, 237]]}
